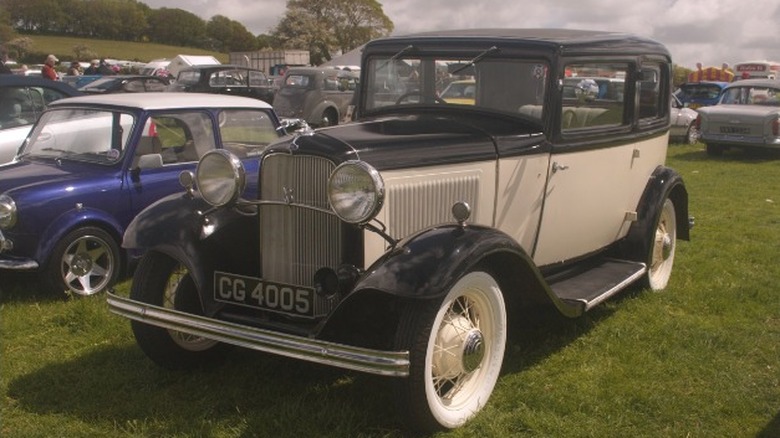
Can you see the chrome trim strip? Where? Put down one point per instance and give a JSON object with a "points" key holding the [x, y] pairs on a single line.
{"points": [[385, 363]]}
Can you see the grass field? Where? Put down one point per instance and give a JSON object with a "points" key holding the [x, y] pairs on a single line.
{"points": [[701, 359], [125, 50]]}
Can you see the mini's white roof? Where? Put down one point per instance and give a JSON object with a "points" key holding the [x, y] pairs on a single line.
{"points": [[165, 100]]}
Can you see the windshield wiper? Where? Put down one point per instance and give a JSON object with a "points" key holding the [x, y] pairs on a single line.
{"points": [[476, 59], [403, 51]]}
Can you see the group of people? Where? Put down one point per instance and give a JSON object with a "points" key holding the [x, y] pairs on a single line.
{"points": [[96, 67]]}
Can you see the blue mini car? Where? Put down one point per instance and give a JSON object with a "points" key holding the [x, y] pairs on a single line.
{"points": [[91, 163]]}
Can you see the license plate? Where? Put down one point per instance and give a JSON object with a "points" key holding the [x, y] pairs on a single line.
{"points": [[262, 294], [734, 130]]}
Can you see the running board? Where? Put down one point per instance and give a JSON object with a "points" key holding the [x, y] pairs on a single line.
{"points": [[590, 287]]}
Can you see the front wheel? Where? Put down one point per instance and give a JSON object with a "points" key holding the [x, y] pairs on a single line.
{"points": [[661, 257], [692, 134], [163, 281], [85, 262], [456, 348]]}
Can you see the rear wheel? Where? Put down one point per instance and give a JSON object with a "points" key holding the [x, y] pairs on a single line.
{"points": [[163, 281], [456, 348], [329, 118], [661, 257], [715, 150]]}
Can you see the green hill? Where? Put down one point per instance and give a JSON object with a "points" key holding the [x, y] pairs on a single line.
{"points": [[62, 47]]}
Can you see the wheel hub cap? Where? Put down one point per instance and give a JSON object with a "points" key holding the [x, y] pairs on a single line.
{"points": [[81, 265], [461, 348], [473, 350]]}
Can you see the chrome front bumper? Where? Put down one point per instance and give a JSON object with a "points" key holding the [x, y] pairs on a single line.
{"points": [[386, 363], [14, 263]]}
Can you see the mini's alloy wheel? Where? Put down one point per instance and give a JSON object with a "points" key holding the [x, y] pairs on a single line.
{"points": [[84, 262]]}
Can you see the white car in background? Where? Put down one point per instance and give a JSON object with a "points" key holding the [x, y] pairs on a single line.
{"points": [[683, 123], [747, 117]]}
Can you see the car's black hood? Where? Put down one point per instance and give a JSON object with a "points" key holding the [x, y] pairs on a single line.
{"points": [[406, 141]]}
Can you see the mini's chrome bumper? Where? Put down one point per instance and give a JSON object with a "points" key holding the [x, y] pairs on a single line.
{"points": [[386, 363], [15, 263]]}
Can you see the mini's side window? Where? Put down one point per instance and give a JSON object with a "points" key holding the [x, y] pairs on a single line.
{"points": [[594, 96], [246, 133], [182, 138]]}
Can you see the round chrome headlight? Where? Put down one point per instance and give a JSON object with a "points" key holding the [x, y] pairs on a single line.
{"points": [[356, 192], [7, 212], [221, 177]]}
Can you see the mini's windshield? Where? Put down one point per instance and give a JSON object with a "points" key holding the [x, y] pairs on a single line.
{"points": [[487, 82], [80, 134]]}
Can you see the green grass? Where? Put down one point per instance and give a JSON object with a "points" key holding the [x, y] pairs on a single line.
{"points": [[701, 359], [125, 50]]}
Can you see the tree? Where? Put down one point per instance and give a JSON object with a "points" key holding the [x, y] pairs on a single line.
{"points": [[177, 27], [326, 26], [7, 32], [231, 35]]}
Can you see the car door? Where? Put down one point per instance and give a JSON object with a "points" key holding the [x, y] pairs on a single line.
{"points": [[598, 171], [172, 142]]}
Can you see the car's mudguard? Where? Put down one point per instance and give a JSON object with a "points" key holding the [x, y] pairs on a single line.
{"points": [[71, 220], [424, 267], [221, 240], [664, 183]]}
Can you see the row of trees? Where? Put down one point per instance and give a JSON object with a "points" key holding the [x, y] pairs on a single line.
{"points": [[322, 26]]}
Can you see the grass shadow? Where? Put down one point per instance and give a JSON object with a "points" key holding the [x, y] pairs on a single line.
{"points": [[260, 394]]}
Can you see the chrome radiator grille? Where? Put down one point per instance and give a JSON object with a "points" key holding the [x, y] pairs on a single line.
{"points": [[296, 242]]}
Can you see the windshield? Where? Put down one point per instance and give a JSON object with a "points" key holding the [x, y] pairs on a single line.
{"points": [[751, 96], [478, 80], [80, 134], [700, 91]]}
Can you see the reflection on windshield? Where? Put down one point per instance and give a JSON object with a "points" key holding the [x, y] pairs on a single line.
{"points": [[80, 134], [485, 82]]}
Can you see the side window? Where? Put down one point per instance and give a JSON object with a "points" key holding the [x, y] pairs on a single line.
{"points": [[134, 86], [182, 137], [155, 85], [246, 133], [16, 108], [257, 79], [651, 104], [594, 95]]}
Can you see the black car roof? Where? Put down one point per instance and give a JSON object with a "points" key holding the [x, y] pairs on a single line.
{"points": [[552, 40], [37, 81]]}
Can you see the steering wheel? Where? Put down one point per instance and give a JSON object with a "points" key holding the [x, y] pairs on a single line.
{"points": [[408, 94]]}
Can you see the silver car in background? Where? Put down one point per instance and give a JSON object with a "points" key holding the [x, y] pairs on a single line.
{"points": [[683, 123], [747, 117]]}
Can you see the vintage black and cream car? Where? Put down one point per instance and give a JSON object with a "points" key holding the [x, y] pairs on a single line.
{"points": [[407, 242]]}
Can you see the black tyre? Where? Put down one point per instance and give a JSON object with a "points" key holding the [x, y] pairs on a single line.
{"points": [[661, 258], [85, 262], [162, 281], [456, 348], [329, 118], [715, 150]]}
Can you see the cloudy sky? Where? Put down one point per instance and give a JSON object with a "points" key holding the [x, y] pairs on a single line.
{"points": [[708, 31]]}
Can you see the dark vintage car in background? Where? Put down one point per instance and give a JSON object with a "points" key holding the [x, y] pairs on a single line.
{"points": [[91, 163], [409, 242], [224, 79], [746, 117], [22, 100], [126, 84], [320, 96]]}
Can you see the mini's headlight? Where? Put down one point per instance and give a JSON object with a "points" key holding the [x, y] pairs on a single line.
{"points": [[7, 212], [356, 192], [221, 177]]}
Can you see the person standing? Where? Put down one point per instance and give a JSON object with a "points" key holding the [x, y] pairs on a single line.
{"points": [[74, 69], [93, 68], [4, 70], [47, 71]]}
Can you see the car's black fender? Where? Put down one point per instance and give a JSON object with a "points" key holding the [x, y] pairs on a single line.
{"points": [[224, 239], [664, 183], [426, 265]]}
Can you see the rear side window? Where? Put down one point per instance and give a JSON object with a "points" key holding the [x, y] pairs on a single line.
{"points": [[246, 133], [652, 99], [594, 95]]}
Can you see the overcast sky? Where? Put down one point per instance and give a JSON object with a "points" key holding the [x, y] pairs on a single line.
{"points": [[708, 31]]}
